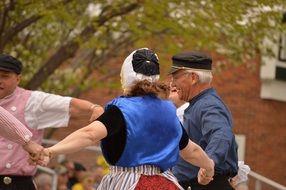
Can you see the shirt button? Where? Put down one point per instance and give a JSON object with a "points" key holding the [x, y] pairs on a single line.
{"points": [[8, 165], [9, 146], [13, 108], [27, 137]]}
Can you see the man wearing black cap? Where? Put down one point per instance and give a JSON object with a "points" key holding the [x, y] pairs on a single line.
{"points": [[207, 121], [36, 111]]}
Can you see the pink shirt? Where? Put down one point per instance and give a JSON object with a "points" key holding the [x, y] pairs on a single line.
{"points": [[36, 111], [13, 129]]}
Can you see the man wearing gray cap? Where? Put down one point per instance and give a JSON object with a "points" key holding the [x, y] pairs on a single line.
{"points": [[36, 111], [207, 121]]}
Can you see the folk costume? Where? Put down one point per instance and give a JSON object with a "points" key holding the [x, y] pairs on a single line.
{"points": [[144, 134]]}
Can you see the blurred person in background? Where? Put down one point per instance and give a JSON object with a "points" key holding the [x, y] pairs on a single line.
{"points": [[62, 176], [97, 172], [79, 171], [43, 181], [100, 160], [86, 182], [70, 167]]}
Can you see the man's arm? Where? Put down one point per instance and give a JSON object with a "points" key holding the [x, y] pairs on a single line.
{"points": [[217, 131], [13, 130], [79, 107], [45, 110]]}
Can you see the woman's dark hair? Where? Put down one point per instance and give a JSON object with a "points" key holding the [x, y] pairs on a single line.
{"points": [[146, 87]]}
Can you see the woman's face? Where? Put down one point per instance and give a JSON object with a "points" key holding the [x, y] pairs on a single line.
{"points": [[174, 97]]}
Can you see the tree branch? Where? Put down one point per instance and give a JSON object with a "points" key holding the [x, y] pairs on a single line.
{"points": [[9, 34], [98, 61], [68, 51], [3, 16], [14, 30]]}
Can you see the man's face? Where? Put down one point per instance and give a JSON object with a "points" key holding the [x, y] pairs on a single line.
{"points": [[8, 82], [182, 81]]}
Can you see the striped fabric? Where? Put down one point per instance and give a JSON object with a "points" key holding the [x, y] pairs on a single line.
{"points": [[126, 178], [13, 129]]}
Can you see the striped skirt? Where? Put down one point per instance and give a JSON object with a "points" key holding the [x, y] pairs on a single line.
{"points": [[138, 178]]}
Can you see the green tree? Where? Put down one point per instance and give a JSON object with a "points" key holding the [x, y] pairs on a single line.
{"points": [[65, 40]]}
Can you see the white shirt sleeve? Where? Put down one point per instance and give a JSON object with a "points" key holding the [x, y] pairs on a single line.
{"points": [[44, 110], [181, 111], [243, 171]]}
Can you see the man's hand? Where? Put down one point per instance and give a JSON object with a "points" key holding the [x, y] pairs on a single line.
{"points": [[206, 175], [203, 177], [33, 149], [233, 181], [43, 158]]}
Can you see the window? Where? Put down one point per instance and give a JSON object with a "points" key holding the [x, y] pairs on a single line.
{"points": [[273, 69], [280, 73], [282, 48], [240, 140]]}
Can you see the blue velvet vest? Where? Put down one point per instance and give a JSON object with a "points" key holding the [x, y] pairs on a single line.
{"points": [[153, 132]]}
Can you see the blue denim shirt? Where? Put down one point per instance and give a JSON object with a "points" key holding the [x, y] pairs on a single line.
{"points": [[208, 123]]}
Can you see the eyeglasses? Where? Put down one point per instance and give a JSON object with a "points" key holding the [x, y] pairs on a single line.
{"points": [[178, 75]]}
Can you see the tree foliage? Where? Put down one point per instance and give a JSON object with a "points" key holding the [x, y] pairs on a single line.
{"points": [[61, 42]]}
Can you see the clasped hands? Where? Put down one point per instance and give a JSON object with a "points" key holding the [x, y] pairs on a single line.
{"points": [[38, 154], [205, 176]]}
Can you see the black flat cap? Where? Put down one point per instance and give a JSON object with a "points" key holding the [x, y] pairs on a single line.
{"points": [[9, 63], [191, 60]]}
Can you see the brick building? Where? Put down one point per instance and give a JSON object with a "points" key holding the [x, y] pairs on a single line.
{"points": [[261, 121]]}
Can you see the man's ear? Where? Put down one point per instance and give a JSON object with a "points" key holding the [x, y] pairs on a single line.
{"points": [[195, 78], [19, 78]]}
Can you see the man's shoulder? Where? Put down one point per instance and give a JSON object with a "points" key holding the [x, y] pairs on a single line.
{"points": [[208, 102]]}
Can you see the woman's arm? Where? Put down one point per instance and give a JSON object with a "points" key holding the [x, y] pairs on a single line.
{"points": [[195, 155], [79, 107], [79, 139]]}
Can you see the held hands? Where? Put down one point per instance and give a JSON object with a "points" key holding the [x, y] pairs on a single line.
{"points": [[33, 149], [233, 181], [205, 176], [41, 158]]}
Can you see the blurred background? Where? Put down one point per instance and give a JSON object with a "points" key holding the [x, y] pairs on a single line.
{"points": [[76, 48]]}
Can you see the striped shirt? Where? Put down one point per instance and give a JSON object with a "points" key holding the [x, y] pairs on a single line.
{"points": [[12, 129]]}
